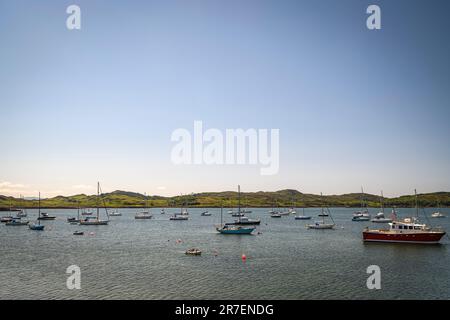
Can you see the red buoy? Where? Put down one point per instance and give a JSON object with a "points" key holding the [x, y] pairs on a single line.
{"points": [[244, 257]]}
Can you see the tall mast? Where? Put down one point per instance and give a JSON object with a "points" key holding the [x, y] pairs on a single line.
{"points": [[321, 203], [417, 207], [239, 203], [98, 197], [145, 201], [39, 210], [362, 198], [382, 201]]}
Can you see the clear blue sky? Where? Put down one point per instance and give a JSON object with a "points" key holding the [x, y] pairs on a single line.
{"points": [[354, 107]]}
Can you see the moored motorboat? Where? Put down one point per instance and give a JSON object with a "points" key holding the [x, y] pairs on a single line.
{"points": [[143, 215], [380, 218], [408, 230], [438, 215], [275, 215], [205, 214], [361, 217], [78, 233], [46, 216]]}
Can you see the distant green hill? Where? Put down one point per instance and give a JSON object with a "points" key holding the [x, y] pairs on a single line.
{"points": [[282, 198]]}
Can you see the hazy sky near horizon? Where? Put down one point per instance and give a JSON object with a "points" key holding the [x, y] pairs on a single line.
{"points": [[354, 106]]}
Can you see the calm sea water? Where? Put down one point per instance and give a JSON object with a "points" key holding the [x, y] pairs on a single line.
{"points": [[142, 259]]}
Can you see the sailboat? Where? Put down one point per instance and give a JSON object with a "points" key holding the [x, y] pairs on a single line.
{"points": [[21, 213], [182, 215], [241, 218], [144, 214], [322, 224], [76, 220], [233, 228], [95, 221], [363, 214], [302, 216], [380, 218], [292, 208], [13, 221], [37, 226], [245, 210], [10, 217], [274, 213]]}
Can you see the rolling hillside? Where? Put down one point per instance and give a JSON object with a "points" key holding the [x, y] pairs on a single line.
{"points": [[282, 198]]}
